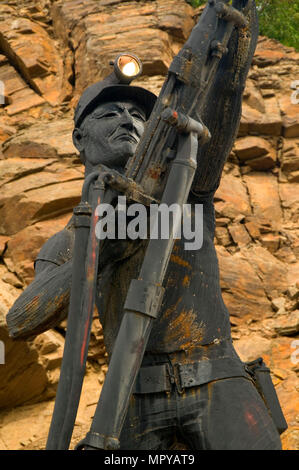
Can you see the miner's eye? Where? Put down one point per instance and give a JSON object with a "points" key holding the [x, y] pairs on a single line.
{"points": [[109, 114], [138, 116]]}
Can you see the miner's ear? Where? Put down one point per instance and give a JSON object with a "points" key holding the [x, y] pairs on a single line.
{"points": [[78, 139]]}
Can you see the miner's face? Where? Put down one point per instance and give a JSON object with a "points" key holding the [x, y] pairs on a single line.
{"points": [[110, 134]]}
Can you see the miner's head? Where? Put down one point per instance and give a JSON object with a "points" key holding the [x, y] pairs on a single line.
{"points": [[110, 133], [109, 121]]}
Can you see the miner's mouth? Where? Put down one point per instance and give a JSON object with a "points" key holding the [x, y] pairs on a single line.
{"points": [[128, 137]]}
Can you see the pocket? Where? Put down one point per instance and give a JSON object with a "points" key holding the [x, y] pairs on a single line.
{"points": [[264, 385]]}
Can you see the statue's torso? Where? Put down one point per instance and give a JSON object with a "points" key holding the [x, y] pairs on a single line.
{"points": [[192, 313]]}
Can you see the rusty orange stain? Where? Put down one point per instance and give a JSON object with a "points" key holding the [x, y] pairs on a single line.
{"points": [[59, 301], [185, 326], [186, 281], [33, 303], [175, 246], [90, 274], [178, 260], [154, 173]]}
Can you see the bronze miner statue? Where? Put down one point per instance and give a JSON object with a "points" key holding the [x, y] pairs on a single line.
{"points": [[173, 374]]}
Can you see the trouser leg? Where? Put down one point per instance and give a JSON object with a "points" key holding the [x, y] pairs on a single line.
{"points": [[235, 418], [150, 423]]}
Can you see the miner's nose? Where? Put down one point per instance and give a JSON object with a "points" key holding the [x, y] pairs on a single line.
{"points": [[127, 120]]}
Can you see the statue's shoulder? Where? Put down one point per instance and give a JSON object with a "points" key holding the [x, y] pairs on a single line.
{"points": [[59, 248]]}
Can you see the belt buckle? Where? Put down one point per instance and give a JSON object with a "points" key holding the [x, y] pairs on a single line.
{"points": [[177, 378]]}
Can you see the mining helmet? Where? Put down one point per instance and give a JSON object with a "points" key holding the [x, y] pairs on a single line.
{"points": [[126, 67]]}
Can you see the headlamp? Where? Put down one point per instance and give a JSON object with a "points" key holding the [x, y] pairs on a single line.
{"points": [[127, 67]]}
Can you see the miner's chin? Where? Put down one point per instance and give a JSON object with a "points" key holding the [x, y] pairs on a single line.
{"points": [[121, 153]]}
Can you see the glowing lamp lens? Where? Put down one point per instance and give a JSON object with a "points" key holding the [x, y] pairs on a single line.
{"points": [[128, 66], [129, 69]]}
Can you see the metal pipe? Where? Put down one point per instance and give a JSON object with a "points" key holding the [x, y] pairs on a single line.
{"points": [[72, 371]]}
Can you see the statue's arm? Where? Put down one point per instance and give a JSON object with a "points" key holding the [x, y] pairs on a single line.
{"points": [[222, 112], [44, 303]]}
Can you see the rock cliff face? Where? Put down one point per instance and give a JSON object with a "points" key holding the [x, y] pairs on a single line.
{"points": [[49, 52]]}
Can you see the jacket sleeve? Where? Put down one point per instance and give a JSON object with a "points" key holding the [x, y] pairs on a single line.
{"points": [[44, 303], [222, 112]]}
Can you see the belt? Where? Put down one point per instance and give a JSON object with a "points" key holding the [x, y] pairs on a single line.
{"points": [[160, 378]]}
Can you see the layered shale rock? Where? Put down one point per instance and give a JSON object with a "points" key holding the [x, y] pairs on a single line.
{"points": [[49, 52]]}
